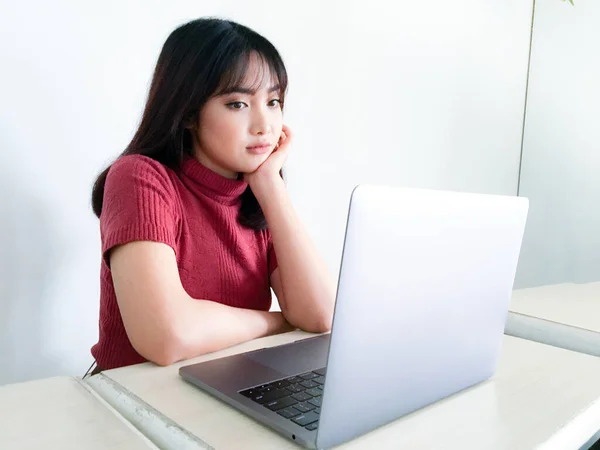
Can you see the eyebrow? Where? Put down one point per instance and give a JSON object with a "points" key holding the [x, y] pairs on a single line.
{"points": [[242, 90]]}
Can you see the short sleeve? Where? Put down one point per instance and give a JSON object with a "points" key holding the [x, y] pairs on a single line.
{"points": [[139, 204], [271, 256]]}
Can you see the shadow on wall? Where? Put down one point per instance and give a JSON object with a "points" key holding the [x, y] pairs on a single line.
{"points": [[28, 244]]}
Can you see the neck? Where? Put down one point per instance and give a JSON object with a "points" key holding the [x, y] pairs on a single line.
{"points": [[207, 162]]}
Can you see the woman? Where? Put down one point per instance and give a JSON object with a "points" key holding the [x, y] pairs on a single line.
{"points": [[188, 260]]}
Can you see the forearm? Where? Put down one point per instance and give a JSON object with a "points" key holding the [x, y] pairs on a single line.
{"points": [[203, 326], [163, 323], [307, 283]]}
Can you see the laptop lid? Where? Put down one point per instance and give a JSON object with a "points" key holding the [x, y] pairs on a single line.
{"points": [[423, 294]]}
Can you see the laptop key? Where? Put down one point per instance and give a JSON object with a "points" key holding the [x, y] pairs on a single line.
{"points": [[317, 410], [306, 419], [294, 380], [302, 396], [271, 395], [320, 380], [314, 392], [321, 372], [317, 401], [289, 412], [249, 393], [312, 426], [295, 388], [308, 376], [281, 384], [308, 384], [266, 388], [280, 403], [304, 407]]}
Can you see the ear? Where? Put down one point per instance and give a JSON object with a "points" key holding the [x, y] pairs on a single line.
{"points": [[191, 122]]}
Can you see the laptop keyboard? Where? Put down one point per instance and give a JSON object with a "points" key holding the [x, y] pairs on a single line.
{"points": [[296, 398]]}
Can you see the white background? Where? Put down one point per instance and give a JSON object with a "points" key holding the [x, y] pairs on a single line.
{"points": [[561, 152], [419, 93]]}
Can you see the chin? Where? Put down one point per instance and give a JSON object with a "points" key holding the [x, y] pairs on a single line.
{"points": [[253, 163], [250, 168]]}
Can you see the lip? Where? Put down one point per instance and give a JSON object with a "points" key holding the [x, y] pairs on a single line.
{"points": [[259, 149]]}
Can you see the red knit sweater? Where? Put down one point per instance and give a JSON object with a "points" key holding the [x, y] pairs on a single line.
{"points": [[195, 212]]}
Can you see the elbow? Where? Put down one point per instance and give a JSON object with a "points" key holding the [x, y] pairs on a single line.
{"points": [[319, 320], [163, 358], [324, 320], [324, 326], [320, 324], [162, 349], [171, 350]]}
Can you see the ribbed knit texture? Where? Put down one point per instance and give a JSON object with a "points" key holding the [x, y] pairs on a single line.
{"points": [[195, 212]]}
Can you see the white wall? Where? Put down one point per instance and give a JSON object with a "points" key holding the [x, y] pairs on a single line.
{"points": [[561, 152], [426, 93]]}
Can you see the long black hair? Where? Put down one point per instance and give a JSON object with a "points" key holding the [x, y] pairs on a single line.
{"points": [[199, 59]]}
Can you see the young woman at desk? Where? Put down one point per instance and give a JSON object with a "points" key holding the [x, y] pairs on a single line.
{"points": [[188, 260]]}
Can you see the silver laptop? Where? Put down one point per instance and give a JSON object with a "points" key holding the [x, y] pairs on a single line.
{"points": [[424, 287]]}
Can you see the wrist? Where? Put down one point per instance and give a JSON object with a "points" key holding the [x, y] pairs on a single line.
{"points": [[267, 188]]}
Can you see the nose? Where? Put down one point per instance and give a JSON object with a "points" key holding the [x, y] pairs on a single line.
{"points": [[260, 125]]}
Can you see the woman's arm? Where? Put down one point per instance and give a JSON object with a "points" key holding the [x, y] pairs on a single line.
{"points": [[302, 282], [165, 324]]}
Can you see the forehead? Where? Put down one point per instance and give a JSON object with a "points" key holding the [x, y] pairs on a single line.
{"points": [[258, 75], [252, 73]]}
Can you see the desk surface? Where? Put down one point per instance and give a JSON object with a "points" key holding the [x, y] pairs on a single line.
{"points": [[61, 413], [576, 305], [541, 395]]}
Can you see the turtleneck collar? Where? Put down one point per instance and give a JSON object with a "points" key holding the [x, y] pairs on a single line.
{"points": [[220, 188]]}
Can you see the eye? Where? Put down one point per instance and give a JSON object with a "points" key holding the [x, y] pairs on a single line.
{"points": [[274, 102], [236, 105]]}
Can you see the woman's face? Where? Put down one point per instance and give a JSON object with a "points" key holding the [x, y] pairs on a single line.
{"points": [[237, 131]]}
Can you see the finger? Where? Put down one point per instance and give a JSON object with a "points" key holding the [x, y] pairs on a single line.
{"points": [[279, 157], [284, 144], [286, 134]]}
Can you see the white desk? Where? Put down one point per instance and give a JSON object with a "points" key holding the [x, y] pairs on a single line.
{"points": [[565, 315], [61, 414], [541, 396]]}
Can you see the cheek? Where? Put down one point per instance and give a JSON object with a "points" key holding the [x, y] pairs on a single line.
{"points": [[278, 122], [234, 129], [222, 131]]}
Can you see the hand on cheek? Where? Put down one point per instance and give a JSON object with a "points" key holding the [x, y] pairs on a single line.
{"points": [[270, 168]]}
